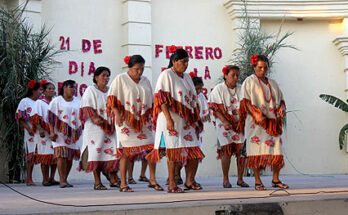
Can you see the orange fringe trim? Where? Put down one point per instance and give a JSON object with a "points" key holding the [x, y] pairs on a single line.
{"points": [[176, 154], [221, 109], [103, 166], [65, 152], [89, 112], [175, 106], [35, 120], [130, 119], [46, 159], [229, 150], [263, 161], [136, 153], [273, 127]]}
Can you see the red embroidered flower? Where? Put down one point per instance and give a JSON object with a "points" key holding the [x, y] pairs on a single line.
{"points": [[107, 141], [225, 70], [187, 99], [31, 84], [254, 59], [138, 100], [252, 126], [235, 137], [263, 107], [193, 97], [143, 106], [270, 142], [92, 141], [65, 117], [67, 141], [255, 139], [220, 125], [126, 59], [180, 93], [225, 133], [235, 111], [101, 111], [173, 133], [43, 82], [234, 101], [125, 131], [172, 48], [191, 104], [98, 150], [51, 147], [186, 127], [73, 122], [141, 136], [43, 142], [205, 111], [108, 151], [228, 107], [31, 140], [133, 107], [60, 111], [272, 110], [127, 103], [73, 113], [139, 113], [188, 137], [29, 109]]}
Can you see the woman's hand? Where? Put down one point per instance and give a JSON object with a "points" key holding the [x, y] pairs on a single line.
{"points": [[119, 117], [227, 125], [170, 124], [41, 132], [53, 136], [259, 118], [97, 121]]}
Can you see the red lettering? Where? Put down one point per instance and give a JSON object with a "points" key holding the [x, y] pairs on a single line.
{"points": [[204, 91], [73, 68], [209, 53], [198, 52], [86, 45], [158, 49], [82, 68], [207, 73], [189, 50], [217, 53], [82, 89], [91, 68], [97, 46]]}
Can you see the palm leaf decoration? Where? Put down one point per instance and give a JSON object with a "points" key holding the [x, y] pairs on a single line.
{"points": [[338, 103]]}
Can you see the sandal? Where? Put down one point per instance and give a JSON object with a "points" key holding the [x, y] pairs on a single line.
{"points": [[69, 185], [157, 187], [175, 190], [126, 189], [197, 184], [243, 184], [192, 187], [227, 185], [143, 178], [63, 185], [131, 181], [179, 181], [100, 187], [280, 185], [54, 182], [260, 187], [30, 183], [115, 184], [46, 184]]}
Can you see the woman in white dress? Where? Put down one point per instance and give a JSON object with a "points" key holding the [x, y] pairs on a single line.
{"points": [[23, 111], [130, 100], [65, 129], [176, 121], [224, 103], [99, 139], [262, 110], [39, 121]]}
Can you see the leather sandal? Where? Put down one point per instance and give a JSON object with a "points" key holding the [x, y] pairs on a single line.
{"points": [[192, 187], [280, 185], [178, 181], [175, 190], [100, 187], [197, 184], [143, 178], [131, 181], [126, 189], [243, 184], [46, 184], [156, 186], [115, 184], [260, 187], [54, 182], [227, 185]]}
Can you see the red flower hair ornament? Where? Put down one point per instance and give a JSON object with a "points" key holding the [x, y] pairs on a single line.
{"points": [[43, 82], [225, 70], [31, 84], [254, 59], [192, 74], [172, 49], [126, 59]]}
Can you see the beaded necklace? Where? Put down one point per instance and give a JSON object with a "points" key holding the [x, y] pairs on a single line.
{"points": [[263, 91]]}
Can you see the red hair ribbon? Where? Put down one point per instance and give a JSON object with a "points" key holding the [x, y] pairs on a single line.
{"points": [[172, 49], [43, 82], [254, 59], [31, 84], [192, 74], [126, 59], [225, 70]]}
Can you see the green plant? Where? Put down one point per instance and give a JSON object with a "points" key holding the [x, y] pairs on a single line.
{"points": [[338, 103], [252, 40], [24, 55]]}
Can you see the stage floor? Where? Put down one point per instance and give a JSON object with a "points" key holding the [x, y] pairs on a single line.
{"points": [[213, 199]]}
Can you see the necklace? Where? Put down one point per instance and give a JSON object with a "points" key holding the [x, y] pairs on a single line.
{"points": [[263, 91]]}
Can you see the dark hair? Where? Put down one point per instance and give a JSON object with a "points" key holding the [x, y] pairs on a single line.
{"points": [[65, 84], [135, 59], [44, 87], [230, 68], [262, 58], [30, 91], [99, 71], [197, 81], [177, 55]]}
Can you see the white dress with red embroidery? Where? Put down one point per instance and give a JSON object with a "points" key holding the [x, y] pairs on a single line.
{"points": [[39, 115], [179, 95], [203, 113], [263, 140], [64, 117], [23, 111], [226, 102], [100, 140], [135, 101]]}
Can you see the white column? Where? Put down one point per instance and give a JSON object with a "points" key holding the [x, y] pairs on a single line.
{"points": [[342, 45], [137, 37]]}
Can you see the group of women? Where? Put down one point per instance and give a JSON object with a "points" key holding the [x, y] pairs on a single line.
{"points": [[119, 122]]}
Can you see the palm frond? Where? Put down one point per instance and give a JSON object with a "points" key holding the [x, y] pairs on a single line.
{"points": [[338, 103]]}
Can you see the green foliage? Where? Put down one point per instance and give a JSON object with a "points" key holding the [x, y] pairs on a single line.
{"points": [[252, 41], [24, 55], [338, 103]]}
